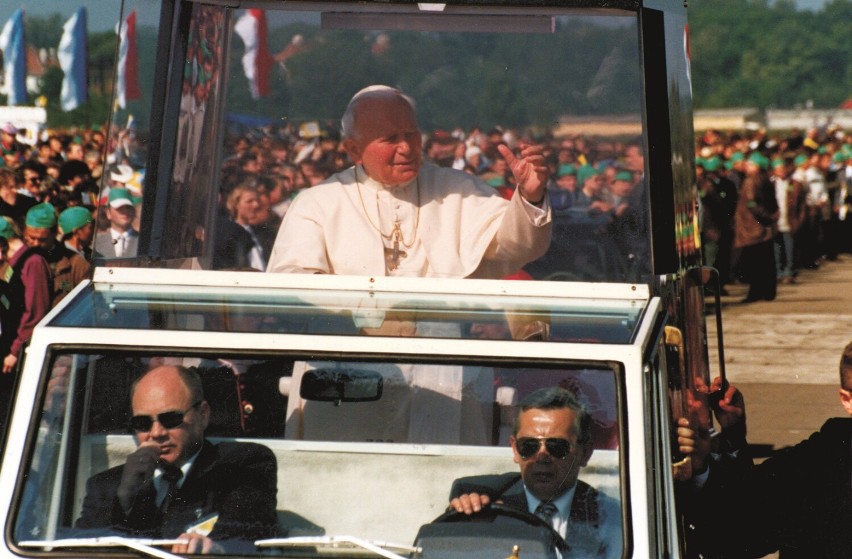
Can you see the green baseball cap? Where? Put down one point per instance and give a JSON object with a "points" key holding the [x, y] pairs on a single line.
{"points": [[496, 182], [625, 176], [759, 159], [73, 218], [41, 216], [710, 163], [120, 197], [585, 172], [566, 169], [7, 231]]}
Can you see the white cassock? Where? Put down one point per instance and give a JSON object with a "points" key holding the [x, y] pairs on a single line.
{"points": [[450, 224]]}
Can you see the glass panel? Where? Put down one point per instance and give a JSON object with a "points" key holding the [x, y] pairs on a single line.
{"points": [[130, 130], [197, 127], [394, 421], [355, 313], [566, 80]]}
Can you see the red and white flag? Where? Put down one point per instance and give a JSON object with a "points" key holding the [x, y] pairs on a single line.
{"points": [[127, 86], [257, 61]]}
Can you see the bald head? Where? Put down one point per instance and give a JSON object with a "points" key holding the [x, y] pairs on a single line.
{"points": [[370, 95]]}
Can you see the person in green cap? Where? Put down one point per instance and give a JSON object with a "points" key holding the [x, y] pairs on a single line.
{"points": [[736, 169], [67, 267], [754, 230], [120, 240], [30, 284], [77, 227], [591, 195], [562, 197], [812, 176], [718, 197]]}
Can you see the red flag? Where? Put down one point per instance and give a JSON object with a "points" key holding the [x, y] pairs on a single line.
{"points": [[257, 61], [127, 88]]}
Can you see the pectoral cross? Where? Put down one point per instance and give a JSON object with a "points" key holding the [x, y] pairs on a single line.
{"points": [[392, 255]]}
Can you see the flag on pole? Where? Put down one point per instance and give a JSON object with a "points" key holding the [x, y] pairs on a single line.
{"points": [[257, 61], [73, 56], [14, 58], [127, 86]]}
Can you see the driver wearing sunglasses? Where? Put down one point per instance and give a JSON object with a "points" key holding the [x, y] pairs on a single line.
{"points": [[551, 443], [178, 485]]}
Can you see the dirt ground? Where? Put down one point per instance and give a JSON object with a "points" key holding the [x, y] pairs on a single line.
{"points": [[784, 354]]}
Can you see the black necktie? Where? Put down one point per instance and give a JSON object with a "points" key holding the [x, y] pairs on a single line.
{"points": [[171, 476]]}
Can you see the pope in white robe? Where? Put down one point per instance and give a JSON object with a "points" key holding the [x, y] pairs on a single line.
{"points": [[391, 214]]}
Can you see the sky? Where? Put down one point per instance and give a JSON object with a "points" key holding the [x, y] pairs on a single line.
{"points": [[102, 14]]}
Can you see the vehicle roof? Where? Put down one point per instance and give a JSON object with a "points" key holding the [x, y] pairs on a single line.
{"points": [[184, 300]]}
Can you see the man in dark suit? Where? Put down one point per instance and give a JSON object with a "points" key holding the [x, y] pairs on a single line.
{"points": [[178, 485], [798, 502], [551, 442], [121, 240]]}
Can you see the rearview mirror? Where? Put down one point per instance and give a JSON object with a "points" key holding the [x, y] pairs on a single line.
{"points": [[341, 385]]}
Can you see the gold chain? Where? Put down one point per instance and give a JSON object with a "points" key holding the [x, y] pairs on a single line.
{"points": [[396, 232]]}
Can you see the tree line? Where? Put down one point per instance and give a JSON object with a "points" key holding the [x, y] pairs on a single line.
{"points": [[765, 54], [756, 53]]}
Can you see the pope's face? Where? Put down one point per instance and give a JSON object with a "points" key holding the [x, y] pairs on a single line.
{"points": [[387, 140], [544, 475]]}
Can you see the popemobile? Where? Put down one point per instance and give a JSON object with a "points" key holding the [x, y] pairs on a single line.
{"points": [[371, 400]]}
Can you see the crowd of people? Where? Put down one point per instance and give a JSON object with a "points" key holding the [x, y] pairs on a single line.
{"points": [[769, 205], [267, 168], [772, 205]]}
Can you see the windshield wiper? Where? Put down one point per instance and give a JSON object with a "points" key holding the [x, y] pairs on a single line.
{"points": [[377, 547], [142, 545]]}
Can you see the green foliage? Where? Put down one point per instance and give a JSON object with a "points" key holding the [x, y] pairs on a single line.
{"points": [[44, 32], [766, 54], [583, 69]]}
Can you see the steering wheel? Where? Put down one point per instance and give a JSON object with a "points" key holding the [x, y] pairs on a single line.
{"points": [[494, 511]]}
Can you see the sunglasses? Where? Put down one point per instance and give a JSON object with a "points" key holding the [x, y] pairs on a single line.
{"points": [[528, 447], [169, 419]]}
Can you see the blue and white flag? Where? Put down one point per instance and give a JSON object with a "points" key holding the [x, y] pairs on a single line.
{"points": [[14, 58], [73, 58]]}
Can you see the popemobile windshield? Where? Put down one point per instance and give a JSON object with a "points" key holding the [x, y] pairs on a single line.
{"points": [[182, 402]]}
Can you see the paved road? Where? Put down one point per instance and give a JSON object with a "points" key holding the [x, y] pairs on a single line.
{"points": [[784, 354]]}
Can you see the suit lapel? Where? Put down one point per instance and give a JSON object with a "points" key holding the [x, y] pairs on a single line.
{"points": [[202, 468], [584, 506], [584, 521], [515, 496]]}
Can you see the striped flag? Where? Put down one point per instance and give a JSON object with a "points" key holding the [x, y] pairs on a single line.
{"points": [[14, 59], [257, 61], [73, 57], [127, 86]]}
